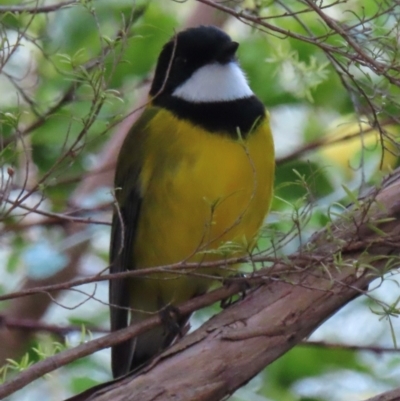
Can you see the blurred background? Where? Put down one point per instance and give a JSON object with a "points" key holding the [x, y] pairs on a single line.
{"points": [[73, 77]]}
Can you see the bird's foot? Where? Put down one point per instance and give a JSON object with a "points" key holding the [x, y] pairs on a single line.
{"points": [[171, 318], [239, 279]]}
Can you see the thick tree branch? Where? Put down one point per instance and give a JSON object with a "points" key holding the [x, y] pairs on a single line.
{"points": [[285, 308], [234, 346], [393, 395]]}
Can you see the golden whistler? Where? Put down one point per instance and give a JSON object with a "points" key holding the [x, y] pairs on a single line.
{"points": [[195, 172]]}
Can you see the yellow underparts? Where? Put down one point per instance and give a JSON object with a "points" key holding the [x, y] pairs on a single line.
{"points": [[202, 192]]}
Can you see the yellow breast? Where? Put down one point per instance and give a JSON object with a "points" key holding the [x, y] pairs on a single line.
{"points": [[200, 191]]}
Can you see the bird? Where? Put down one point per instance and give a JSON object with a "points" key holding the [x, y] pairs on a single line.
{"points": [[193, 183]]}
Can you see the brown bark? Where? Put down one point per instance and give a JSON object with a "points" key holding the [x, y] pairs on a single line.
{"points": [[393, 395], [235, 345]]}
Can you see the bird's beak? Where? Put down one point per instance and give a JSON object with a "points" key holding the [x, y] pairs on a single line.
{"points": [[227, 53]]}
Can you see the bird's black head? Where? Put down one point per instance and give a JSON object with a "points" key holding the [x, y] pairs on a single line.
{"points": [[188, 51]]}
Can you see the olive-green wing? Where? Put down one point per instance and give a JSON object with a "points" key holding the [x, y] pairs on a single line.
{"points": [[123, 231]]}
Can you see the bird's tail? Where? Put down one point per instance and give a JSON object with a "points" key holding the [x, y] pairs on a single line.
{"points": [[138, 351]]}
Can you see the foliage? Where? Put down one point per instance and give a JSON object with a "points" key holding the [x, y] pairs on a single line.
{"points": [[328, 73]]}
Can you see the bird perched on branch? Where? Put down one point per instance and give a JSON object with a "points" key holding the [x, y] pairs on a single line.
{"points": [[193, 182]]}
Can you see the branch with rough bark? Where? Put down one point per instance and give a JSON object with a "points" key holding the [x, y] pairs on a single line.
{"points": [[393, 395], [231, 348], [278, 312]]}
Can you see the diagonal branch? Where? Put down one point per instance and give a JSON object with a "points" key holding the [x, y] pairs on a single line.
{"points": [[393, 395], [243, 339], [275, 315]]}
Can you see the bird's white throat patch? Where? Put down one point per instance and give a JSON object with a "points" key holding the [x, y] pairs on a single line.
{"points": [[215, 83]]}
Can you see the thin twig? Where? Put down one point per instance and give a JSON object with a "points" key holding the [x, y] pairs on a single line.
{"points": [[37, 9]]}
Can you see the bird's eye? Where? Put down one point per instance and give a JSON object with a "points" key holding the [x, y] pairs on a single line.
{"points": [[180, 60]]}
